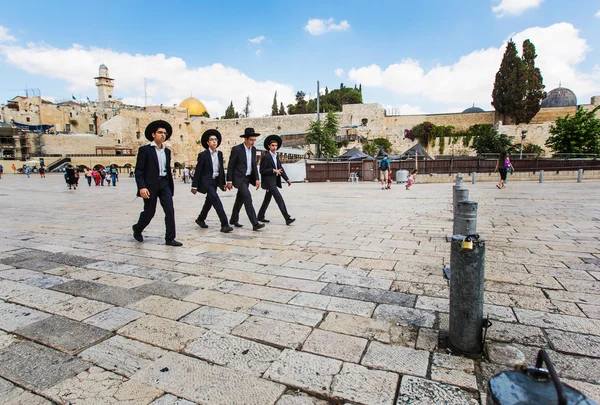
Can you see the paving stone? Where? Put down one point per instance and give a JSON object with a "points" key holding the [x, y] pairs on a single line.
{"points": [[270, 331], [199, 381], [359, 384], [201, 282], [37, 265], [285, 271], [121, 355], [78, 308], [505, 354], [100, 292], [574, 343], [562, 322], [162, 332], [63, 334], [334, 304], [428, 339], [213, 318], [110, 279], [222, 300], [370, 294], [405, 316], [10, 289], [581, 286], [583, 298], [163, 307], [100, 386], [45, 281], [114, 318], [305, 371], [18, 274], [355, 280], [6, 340], [516, 333], [403, 360], [264, 293], [372, 329], [297, 284], [244, 276], [37, 367], [234, 352], [299, 398], [70, 260], [288, 313], [13, 317], [40, 298], [338, 346], [167, 289], [418, 391], [13, 395], [169, 399], [591, 311], [453, 370], [109, 266], [331, 259]]}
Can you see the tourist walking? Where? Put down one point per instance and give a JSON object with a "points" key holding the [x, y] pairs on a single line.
{"points": [[504, 166], [28, 171], [412, 177], [210, 175], [70, 177], [154, 181], [384, 167], [241, 172], [14, 168], [1, 171], [96, 176], [43, 171], [186, 174], [113, 175], [272, 172], [88, 176]]}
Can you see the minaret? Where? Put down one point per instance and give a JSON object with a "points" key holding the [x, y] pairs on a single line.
{"points": [[105, 84]]}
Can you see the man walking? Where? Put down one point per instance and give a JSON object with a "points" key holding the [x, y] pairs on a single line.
{"points": [[272, 171], [241, 172], [186, 174], [384, 170], [155, 181], [208, 176]]}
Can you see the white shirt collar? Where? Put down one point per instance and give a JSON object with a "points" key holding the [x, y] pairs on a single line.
{"points": [[156, 146]]}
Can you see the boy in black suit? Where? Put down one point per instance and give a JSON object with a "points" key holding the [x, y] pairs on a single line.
{"points": [[155, 180], [241, 172], [272, 171], [208, 176]]}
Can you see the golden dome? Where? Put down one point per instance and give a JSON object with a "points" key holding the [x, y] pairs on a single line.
{"points": [[193, 105]]}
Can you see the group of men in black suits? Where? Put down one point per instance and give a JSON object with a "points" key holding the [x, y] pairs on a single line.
{"points": [[155, 181]]}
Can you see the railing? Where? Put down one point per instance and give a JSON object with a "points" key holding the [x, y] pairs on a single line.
{"points": [[57, 163]]}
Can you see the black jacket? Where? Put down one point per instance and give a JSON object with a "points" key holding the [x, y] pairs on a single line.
{"points": [[236, 168], [147, 172], [271, 180], [204, 172]]}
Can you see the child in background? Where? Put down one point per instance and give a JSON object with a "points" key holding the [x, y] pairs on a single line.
{"points": [[389, 181], [411, 178]]}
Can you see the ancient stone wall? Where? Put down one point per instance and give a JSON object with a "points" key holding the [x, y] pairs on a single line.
{"points": [[73, 143]]}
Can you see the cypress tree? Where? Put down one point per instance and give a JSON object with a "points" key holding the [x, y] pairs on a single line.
{"points": [[281, 110], [508, 87], [274, 110], [534, 86]]}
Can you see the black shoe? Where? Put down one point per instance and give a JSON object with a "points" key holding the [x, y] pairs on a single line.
{"points": [[236, 224], [173, 243], [226, 229], [137, 236], [257, 227], [263, 220], [201, 223], [289, 221]]}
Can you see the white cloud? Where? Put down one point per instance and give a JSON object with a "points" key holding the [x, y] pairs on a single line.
{"points": [[597, 15], [257, 40], [471, 79], [339, 72], [405, 109], [515, 7], [169, 79], [257, 53], [316, 26], [4, 37]]}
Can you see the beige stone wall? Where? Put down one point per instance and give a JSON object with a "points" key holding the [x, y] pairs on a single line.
{"points": [[73, 143]]}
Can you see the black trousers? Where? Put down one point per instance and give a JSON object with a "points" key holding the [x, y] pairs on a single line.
{"points": [[213, 200], [278, 199], [166, 201], [244, 197]]}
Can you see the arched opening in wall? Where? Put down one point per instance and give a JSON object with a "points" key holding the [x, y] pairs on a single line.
{"points": [[82, 167], [181, 138], [178, 165], [128, 165], [98, 167], [364, 121]]}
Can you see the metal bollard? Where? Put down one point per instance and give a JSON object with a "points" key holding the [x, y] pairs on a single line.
{"points": [[459, 179], [541, 176], [459, 194], [466, 295], [465, 218], [579, 175], [473, 177]]}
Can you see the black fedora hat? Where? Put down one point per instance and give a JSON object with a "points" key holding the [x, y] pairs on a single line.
{"points": [[153, 127], [207, 134], [248, 132], [269, 140]]}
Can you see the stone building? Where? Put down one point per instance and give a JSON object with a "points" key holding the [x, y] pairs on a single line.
{"points": [[107, 125]]}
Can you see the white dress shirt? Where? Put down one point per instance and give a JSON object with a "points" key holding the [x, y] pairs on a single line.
{"points": [[248, 160], [214, 156], [162, 159], [274, 156]]}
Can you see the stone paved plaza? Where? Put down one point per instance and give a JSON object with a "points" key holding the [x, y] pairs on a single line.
{"points": [[348, 305]]}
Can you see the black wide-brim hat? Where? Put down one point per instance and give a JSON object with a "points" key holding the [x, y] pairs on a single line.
{"points": [[153, 127], [269, 139], [248, 132], [207, 134]]}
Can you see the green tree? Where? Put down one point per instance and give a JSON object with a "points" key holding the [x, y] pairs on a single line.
{"points": [[370, 148], [423, 132], [322, 135], [384, 143], [205, 114], [577, 134], [230, 112], [301, 103], [509, 86], [247, 109], [274, 109], [281, 110], [534, 86], [487, 140]]}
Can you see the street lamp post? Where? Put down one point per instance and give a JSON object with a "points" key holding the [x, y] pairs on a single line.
{"points": [[523, 136]]}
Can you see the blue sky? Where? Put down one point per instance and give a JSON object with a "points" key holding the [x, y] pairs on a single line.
{"points": [[432, 56]]}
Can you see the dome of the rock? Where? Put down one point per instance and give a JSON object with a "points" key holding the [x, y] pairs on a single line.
{"points": [[193, 105]]}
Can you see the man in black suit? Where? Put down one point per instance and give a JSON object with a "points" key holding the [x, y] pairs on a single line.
{"points": [[271, 172], [208, 176], [155, 180], [241, 172]]}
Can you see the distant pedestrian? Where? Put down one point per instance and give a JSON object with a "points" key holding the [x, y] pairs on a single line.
{"points": [[113, 175], [389, 181], [96, 176], [412, 177], [14, 168], [102, 173], [28, 171], [504, 166], [384, 168], [70, 177], [43, 171], [88, 176], [1, 170], [186, 174]]}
